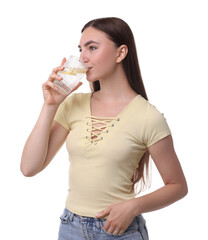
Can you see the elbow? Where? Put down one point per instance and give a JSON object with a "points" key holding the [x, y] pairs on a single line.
{"points": [[179, 190], [27, 172], [183, 190]]}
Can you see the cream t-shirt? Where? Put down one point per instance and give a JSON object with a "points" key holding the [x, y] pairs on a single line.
{"points": [[104, 152]]}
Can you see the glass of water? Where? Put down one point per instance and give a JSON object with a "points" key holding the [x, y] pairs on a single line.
{"points": [[74, 70]]}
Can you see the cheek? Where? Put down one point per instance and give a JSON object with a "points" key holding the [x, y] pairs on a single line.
{"points": [[106, 59]]}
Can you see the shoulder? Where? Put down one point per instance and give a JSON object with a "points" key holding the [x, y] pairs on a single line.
{"points": [[76, 99], [155, 126], [76, 104], [81, 97], [72, 107], [146, 108], [152, 118]]}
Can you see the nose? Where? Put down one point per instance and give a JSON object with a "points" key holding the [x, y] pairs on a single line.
{"points": [[83, 57]]}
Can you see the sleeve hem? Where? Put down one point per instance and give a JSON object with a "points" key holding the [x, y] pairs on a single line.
{"points": [[159, 137], [63, 125]]}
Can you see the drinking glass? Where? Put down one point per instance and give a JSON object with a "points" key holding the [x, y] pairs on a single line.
{"points": [[74, 70]]}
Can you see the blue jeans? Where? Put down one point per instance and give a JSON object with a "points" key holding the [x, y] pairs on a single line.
{"points": [[75, 227]]}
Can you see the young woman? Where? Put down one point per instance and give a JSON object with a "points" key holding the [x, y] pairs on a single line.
{"points": [[109, 133]]}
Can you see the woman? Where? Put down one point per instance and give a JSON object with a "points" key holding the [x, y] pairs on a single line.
{"points": [[110, 133]]}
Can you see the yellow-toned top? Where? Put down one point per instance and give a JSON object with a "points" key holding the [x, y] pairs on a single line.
{"points": [[105, 151]]}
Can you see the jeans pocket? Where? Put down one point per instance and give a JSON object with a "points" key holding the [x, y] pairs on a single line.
{"points": [[132, 229]]}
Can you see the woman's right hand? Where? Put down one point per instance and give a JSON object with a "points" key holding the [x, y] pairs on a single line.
{"points": [[50, 93]]}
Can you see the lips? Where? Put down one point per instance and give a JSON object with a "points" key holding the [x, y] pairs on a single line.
{"points": [[89, 68]]}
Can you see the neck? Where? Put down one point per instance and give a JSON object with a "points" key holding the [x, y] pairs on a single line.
{"points": [[116, 87]]}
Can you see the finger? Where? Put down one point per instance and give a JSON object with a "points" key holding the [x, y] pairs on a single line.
{"points": [[79, 84], [47, 85], [106, 226], [121, 231], [103, 213], [111, 230], [59, 68], [54, 77], [63, 61], [52, 85], [116, 231]]}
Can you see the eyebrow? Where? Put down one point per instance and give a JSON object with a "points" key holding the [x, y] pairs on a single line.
{"points": [[88, 43]]}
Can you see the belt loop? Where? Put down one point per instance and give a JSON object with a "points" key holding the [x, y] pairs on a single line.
{"points": [[71, 217]]}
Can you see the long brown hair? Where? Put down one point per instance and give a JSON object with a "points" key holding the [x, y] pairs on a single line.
{"points": [[120, 33]]}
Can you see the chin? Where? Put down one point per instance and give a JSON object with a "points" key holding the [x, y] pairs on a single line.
{"points": [[90, 79]]}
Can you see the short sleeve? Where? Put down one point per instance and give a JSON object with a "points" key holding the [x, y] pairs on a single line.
{"points": [[63, 113], [156, 127]]}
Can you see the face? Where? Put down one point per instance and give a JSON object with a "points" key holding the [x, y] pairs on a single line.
{"points": [[99, 54]]}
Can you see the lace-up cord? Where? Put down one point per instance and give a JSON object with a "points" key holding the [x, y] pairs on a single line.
{"points": [[96, 131]]}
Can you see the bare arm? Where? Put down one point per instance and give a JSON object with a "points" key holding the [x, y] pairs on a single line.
{"points": [[43, 143], [175, 186], [122, 214], [47, 136]]}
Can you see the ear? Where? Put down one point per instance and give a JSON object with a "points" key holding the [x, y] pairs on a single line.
{"points": [[121, 53]]}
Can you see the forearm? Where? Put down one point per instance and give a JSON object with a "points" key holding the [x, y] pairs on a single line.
{"points": [[160, 198], [36, 146]]}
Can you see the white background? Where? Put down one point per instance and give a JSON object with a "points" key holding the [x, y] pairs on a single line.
{"points": [[172, 42]]}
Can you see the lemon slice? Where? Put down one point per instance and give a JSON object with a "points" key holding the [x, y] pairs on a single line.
{"points": [[74, 71]]}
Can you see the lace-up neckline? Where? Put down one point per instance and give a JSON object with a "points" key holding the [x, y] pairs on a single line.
{"points": [[98, 126]]}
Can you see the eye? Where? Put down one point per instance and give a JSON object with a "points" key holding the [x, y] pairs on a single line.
{"points": [[92, 48]]}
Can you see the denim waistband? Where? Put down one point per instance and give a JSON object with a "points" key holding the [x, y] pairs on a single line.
{"points": [[69, 216]]}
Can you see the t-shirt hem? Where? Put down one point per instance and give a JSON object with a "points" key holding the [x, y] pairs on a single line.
{"points": [[80, 213]]}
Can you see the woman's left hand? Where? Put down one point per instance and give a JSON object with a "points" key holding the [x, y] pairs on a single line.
{"points": [[120, 216]]}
